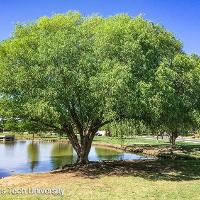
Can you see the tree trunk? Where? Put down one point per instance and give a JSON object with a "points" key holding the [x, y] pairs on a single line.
{"points": [[86, 142], [82, 158], [83, 147], [172, 139]]}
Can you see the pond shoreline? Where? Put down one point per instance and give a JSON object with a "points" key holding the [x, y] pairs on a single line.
{"points": [[156, 154], [45, 156], [147, 150], [165, 152]]}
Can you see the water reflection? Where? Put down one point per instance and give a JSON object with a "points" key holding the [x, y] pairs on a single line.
{"points": [[9, 147], [61, 154], [4, 173], [33, 155], [107, 153], [28, 156]]}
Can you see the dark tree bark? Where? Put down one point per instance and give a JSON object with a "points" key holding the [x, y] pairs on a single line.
{"points": [[86, 143], [81, 147], [87, 134], [157, 136], [172, 138], [161, 135]]}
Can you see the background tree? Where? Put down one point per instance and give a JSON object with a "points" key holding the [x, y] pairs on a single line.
{"points": [[177, 95]]}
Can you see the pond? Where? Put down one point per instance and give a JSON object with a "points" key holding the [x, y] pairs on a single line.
{"points": [[31, 157]]}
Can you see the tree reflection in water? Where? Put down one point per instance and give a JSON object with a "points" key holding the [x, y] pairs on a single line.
{"points": [[108, 153], [62, 154], [33, 155], [9, 147]]}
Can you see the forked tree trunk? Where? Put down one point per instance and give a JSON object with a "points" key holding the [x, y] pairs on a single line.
{"points": [[83, 147], [86, 143], [83, 157]]}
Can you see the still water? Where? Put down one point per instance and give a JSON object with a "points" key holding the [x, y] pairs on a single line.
{"points": [[27, 156]]}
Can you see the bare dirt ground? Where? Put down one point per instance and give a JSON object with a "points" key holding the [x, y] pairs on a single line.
{"points": [[36, 180]]}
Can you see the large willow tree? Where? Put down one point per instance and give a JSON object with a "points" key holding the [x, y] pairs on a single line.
{"points": [[74, 74]]}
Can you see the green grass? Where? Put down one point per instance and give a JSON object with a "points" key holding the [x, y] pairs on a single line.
{"points": [[135, 140], [184, 150], [139, 140], [29, 136], [152, 180]]}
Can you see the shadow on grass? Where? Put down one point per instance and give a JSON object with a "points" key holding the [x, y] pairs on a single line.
{"points": [[170, 170]]}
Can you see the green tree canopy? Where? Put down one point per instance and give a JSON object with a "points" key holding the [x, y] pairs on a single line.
{"points": [[75, 74], [177, 85]]}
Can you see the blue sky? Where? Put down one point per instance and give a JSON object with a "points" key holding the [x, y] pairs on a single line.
{"points": [[182, 17]]}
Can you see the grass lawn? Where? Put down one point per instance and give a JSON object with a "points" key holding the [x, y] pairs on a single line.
{"points": [[151, 180], [100, 139], [28, 136], [138, 140]]}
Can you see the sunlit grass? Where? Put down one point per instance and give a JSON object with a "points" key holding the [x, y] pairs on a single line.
{"points": [[153, 182]]}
